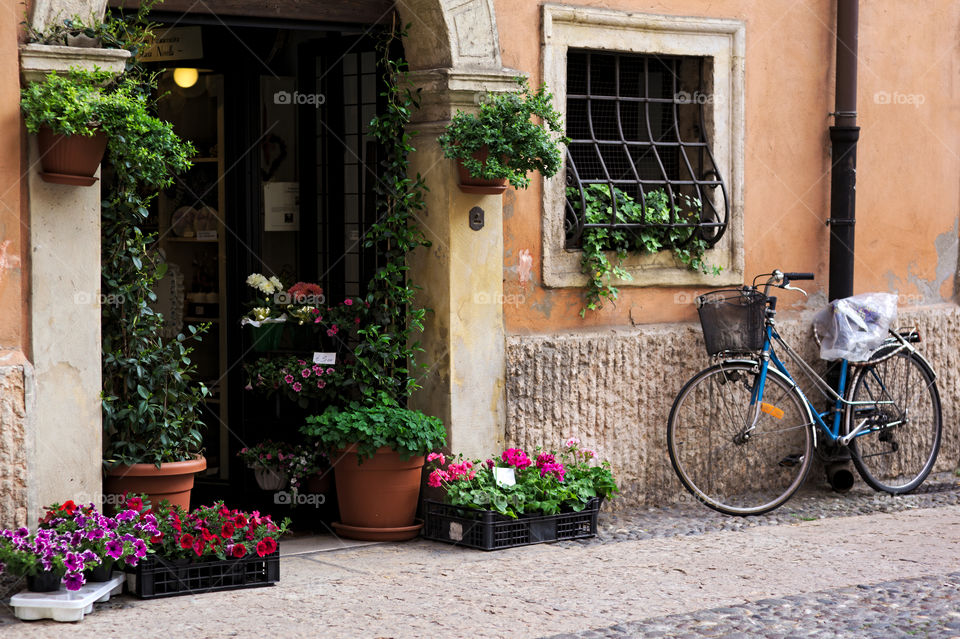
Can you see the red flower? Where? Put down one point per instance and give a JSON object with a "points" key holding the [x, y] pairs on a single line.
{"points": [[156, 539], [240, 520], [268, 544], [262, 549], [207, 535], [135, 503], [186, 541], [227, 530], [199, 546], [239, 550], [69, 507]]}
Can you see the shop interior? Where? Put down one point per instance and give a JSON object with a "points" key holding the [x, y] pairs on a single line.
{"points": [[283, 184]]}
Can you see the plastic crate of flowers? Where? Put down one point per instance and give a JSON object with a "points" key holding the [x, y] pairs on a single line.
{"points": [[514, 501], [74, 545], [207, 549]]}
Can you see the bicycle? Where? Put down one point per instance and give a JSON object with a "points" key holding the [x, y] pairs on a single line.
{"points": [[742, 419]]}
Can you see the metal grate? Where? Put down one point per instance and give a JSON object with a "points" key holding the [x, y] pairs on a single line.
{"points": [[637, 124]]}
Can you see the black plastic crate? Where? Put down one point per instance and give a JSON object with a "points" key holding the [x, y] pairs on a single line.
{"points": [[487, 530], [158, 577]]}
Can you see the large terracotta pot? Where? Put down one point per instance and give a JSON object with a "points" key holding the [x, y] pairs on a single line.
{"points": [[173, 481], [70, 159], [479, 186], [378, 498]]}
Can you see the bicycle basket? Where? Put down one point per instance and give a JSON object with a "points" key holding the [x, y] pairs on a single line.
{"points": [[732, 320]]}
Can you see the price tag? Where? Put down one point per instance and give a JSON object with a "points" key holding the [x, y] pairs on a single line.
{"points": [[206, 235], [325, 358], [504, 476]]}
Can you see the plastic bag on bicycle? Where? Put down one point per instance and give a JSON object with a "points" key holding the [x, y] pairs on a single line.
{"points": [[852, 327]]}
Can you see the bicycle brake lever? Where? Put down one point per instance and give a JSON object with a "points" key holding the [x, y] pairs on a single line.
{"points": [[788, 287]]}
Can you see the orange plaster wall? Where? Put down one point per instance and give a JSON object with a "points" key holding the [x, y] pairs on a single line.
{"points": [[12, 193], [907, 189]]}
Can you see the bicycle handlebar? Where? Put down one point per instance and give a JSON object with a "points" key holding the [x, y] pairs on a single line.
{"points": [[798, 276]]}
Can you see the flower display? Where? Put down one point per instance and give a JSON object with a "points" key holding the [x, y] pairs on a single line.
{"points": [[558, 481], [215, 532], [297, 379]]}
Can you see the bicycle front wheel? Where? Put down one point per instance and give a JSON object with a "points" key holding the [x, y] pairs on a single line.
{"points": [[902, 429], [738, 459]]}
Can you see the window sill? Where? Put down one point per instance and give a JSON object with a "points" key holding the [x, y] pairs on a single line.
{"points": [[562, 270]]}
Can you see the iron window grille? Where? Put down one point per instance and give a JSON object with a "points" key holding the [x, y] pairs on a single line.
{"points": [[637, 124]]}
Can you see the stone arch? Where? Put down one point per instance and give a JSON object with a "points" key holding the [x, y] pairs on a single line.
{"points": [[451, 34]]}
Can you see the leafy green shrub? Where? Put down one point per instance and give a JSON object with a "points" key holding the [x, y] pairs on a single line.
{"points": [[408, 432], [516, 144], [687, 245]]}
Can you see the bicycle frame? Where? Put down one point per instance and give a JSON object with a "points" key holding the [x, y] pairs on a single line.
{"points": [[840, 403]]}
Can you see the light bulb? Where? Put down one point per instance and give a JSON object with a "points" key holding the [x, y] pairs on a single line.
{"points": [[185, 77]]}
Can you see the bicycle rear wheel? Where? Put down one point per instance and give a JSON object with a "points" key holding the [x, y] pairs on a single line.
{"points": [[901, 446], [720, 459]]}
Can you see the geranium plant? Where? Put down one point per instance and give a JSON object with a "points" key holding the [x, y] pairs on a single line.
{"points": [[552, 482], [408, 432], [515, 144]]}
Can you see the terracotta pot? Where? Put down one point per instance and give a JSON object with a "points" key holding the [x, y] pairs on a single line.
{"points": [[70, 159], [320, 483], [382, 492], [173, 481], [479, 186]]}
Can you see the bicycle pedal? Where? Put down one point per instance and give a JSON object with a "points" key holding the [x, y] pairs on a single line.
{"points": [[790, 461]]}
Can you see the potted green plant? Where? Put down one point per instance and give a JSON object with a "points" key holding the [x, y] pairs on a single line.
{"points": [[64, 111], [378, 455], [501, 143]]}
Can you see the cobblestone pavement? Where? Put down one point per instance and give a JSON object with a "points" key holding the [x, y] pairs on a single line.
{"points": [[859, 564], [921, 607]]}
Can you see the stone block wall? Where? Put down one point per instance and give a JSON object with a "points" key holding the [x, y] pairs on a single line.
{"points": [[614, 390], [13, 448]]}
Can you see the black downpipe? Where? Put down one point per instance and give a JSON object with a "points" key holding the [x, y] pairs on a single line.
{"points": [[843, 137]]}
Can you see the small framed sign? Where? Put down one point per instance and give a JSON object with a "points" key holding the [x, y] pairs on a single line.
{"points": [[325, 358]]}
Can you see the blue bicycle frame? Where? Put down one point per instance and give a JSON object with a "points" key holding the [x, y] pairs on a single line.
{"points": [[768, 355]]}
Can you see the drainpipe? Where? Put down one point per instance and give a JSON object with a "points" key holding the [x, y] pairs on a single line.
{"points": [[843, 137], [843, 195]]}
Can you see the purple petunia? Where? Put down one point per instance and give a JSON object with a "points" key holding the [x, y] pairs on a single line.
{"points": [[73, 562], [114, 548], [74, 580], [96, 533]]}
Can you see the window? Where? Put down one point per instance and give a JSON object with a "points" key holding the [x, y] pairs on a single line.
{"points": [[636, 125], [651, 103]]}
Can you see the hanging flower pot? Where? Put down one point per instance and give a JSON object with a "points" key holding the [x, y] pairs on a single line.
{"points": [[479, 186], [269, 478], [70, 159]]}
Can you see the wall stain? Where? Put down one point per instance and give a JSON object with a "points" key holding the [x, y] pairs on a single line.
{"points": [[928, 291]]}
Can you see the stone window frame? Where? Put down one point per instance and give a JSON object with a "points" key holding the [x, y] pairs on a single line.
{"points": [[567, 27]]}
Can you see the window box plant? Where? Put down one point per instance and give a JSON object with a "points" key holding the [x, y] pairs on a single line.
{"points": [[501, 143], [378, 458], [514, 501]]}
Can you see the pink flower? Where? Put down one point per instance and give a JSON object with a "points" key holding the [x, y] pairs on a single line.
{"points": [[332, 331], [434, 479], [329, 371], [433, 456], [489, 463], [269, 456], [573, 441], [588, 453], [288, 379], [305, 373], [321, 383], [348, 302], [356, 320], [297, 386], [543, 459], [248, 386], [557, 470], [515, 457]]}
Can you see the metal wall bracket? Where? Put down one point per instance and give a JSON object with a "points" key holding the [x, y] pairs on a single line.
{"points": [[840, 221], [476, 218]]}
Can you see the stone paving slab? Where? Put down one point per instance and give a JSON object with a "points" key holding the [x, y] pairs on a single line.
{"points": [[426, 589]]}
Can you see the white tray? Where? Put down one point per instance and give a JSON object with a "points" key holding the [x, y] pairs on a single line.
{"points": [[63, 604]]}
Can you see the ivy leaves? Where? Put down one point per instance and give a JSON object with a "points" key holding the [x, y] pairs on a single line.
{"points": [[687, 245]]}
